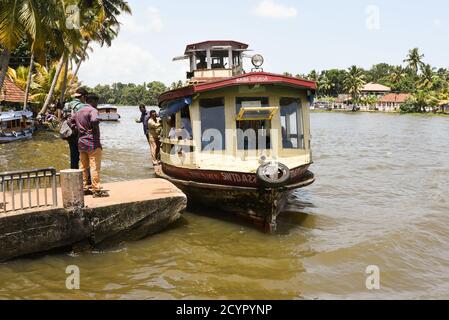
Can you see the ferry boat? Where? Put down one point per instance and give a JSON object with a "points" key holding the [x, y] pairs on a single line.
{"points": [[233, 140], [108, 113], [15, 125]]}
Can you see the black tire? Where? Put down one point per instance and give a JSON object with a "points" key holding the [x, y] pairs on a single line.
{"points": [[268, 180]]}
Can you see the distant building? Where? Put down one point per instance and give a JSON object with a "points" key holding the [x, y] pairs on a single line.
{"points": [[374, 89], [392, 102]]}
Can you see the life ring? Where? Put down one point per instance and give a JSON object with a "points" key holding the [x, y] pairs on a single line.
{"points": [[15, 134], [273, 174]]}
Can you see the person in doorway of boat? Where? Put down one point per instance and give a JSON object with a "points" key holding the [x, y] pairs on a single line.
{"points": [[154, 130], [144, 118], [90, 148], [70, 109]]}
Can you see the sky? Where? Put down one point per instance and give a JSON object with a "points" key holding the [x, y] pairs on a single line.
{"points": [[293, 36]]}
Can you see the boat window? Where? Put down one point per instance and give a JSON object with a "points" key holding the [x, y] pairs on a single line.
{"points": [[201, 60], [213, 124], [220, 59], [253, 124], [291, 122], [186, 123]]}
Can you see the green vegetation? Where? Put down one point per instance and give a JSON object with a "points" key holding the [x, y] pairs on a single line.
{"points": [[130, 94], [428, 86], [51, 36]]}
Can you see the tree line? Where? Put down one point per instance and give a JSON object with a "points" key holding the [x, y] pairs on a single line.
{"points": [[428, 86], [54, 37], [131, 94]]}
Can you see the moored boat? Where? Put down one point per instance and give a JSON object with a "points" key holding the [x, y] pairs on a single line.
{"points": [[234, 140], [108, 113], [15, 125]]}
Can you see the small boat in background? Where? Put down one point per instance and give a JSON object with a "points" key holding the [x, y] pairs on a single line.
{"points": [[108, 113], [15, 125]]}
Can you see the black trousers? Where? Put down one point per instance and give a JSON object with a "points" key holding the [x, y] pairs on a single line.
{"points": [[74, 153]]}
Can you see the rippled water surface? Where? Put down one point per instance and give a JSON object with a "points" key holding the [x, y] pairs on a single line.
{"points": [[381, 198]]}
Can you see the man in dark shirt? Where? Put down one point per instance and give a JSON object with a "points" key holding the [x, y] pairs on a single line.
{"points": [[90, 148], [144, 117]]}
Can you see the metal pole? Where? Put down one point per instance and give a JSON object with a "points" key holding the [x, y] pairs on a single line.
{"points": [[45, 188], [54, 189], [11, 186], [29, 190], [21, 191], [4, 193], [37, 181]]}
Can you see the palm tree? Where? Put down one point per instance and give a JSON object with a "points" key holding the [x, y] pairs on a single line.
{"points": [[353, 82], [19, 76], [313, 75], [324, 85], [414, 60], [398, 74], [101, 26], [12, 30], [428, 77]]}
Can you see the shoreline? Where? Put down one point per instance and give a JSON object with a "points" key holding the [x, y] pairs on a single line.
{"points": [[428, 114]]}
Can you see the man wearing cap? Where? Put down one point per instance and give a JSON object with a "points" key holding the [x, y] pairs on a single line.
{"points": [[89, 145], [78, 102]]}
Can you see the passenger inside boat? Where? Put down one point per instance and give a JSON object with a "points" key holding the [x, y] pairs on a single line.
{"points": [[186, 122]]}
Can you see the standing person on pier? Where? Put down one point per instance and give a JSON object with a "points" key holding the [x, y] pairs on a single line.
{"points": [[90, 147], [154, 130], [78, 102], [144, 118]]}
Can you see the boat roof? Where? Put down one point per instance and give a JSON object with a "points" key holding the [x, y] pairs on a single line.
{"points": [[106, 107], [210, 43], [14, 115], [252, 78]]}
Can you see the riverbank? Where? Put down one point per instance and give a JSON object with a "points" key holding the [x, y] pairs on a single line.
{"points": [[430, 114]]}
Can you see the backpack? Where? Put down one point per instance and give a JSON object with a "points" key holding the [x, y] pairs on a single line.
{"points": [[68, 127], [66, 130]]}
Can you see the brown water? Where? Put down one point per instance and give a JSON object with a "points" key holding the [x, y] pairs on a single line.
{"points": [[381, 198]]}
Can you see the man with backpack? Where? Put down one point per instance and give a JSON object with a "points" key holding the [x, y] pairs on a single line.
{"points": [[72, 107]]}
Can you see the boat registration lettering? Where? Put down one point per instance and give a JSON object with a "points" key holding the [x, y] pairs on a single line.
{"points": [[234, 177]]}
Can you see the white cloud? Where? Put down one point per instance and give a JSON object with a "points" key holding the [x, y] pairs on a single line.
{"points": [[147, 21], [155, 21], [437, 22], [271, 9], [122, 62]]}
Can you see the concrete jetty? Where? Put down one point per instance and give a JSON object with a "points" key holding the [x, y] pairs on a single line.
{"points": [[134, 210]]}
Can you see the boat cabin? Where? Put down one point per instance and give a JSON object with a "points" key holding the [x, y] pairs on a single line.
{"points": [[106, 110], [214, 60], [108, 113], [236, 122], [15, 125]]}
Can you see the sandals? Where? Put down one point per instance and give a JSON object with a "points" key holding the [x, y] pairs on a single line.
{"points": [[100, 194]]}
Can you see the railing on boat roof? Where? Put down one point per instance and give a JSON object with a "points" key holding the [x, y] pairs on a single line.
{"points": [[21, 190]]}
